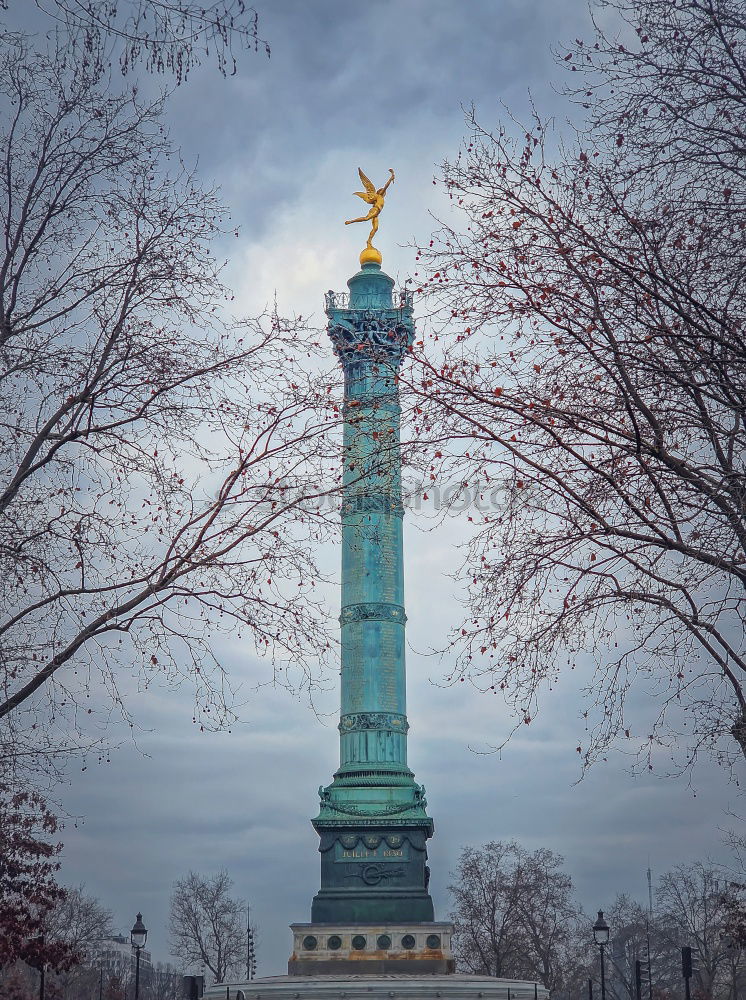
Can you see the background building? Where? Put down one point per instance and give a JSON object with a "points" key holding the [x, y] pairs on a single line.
{"points": [[115, 957]]}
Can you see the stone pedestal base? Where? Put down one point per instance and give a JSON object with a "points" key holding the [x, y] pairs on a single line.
{"points": [[365, 987], [371, 949], [373, 874]]}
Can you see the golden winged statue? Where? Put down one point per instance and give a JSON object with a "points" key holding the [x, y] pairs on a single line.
{"points": [[375, 199]]}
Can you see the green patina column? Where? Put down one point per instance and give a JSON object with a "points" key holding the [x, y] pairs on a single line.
{"points": [[373, 822], [373, 724]]}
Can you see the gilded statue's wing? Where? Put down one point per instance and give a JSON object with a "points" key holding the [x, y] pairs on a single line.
{"points": [[367, 183]]}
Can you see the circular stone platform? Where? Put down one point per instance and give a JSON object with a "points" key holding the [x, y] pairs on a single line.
{"points": [[457, 986]]}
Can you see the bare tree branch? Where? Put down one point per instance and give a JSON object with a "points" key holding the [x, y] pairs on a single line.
{"points": [[587, 371], [165, 469]]}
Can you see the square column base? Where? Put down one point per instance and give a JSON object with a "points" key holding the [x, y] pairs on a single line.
{"points": [[371, 949]]}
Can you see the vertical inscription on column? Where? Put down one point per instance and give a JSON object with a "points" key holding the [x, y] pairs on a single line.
{"points": [[386, 557], [391, 666], [353, 667]]}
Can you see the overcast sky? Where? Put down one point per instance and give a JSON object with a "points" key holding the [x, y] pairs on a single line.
{"points": [[375, 85]]}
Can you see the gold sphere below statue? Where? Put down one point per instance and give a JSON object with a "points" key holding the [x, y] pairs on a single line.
{"points": [[370, 256]]}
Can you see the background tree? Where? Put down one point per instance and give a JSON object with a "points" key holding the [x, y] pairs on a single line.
{"points": [[160, 464], [165, 983], [549, 916], [16, 986], [646, 937], [206, 925], [590, 367], [29, 891], [516, 916], [76, 919], [487, 935], [733, 876], [168, 36], [693, 899], [114, 988], [513, 912], [734, 901]]}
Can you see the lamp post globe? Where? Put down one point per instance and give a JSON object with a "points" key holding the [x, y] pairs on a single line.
{"points": [[138, 937], [601, 937], [601, 930]]}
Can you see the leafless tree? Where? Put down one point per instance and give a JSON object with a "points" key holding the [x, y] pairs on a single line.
{"points": [[550, 916], [513, 912], [516, 916], [167, 36], [487, 936], [17, 984], [206, 925], [162, 467], [165, 983], [641, 936], [732, 875], [587, 372], [696, 902], [77, 919], [115, 988]]}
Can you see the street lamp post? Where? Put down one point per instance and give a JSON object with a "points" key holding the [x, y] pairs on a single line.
{"points": [[40, 964], [601, 937], [138, 937], [42, 971]]}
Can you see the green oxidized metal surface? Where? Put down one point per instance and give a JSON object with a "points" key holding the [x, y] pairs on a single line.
{"points": [[372, 822]]}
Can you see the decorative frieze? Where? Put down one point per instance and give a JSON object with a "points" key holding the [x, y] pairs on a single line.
{"points": [[374, 720], [372, 503], [349, 809], [372, 611], [371, 841], [379, 333]]}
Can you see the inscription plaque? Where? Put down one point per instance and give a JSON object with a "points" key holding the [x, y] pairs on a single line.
{"points": [[362, 853]]}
